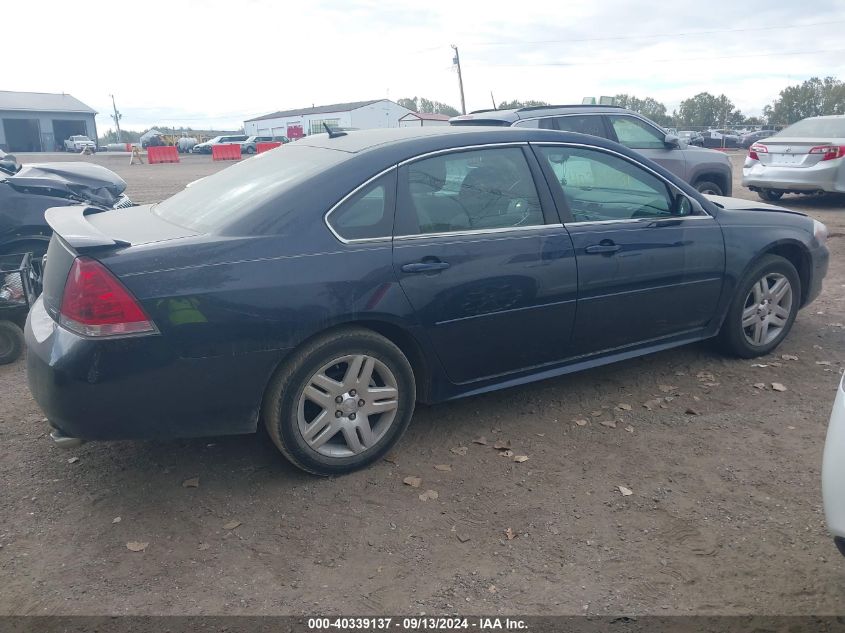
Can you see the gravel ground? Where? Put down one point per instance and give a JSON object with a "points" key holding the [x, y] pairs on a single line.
{"points": [[725, 515]]}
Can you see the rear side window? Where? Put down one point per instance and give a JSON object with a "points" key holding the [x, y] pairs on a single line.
{"points": [[469, 191], [637, 134], [587, 124], [368, 214]]}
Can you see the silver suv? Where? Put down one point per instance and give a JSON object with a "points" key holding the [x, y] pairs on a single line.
{"points": [[707, 170]]}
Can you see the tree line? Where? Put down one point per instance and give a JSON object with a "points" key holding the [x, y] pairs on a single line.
{"points": [[814, 97]]}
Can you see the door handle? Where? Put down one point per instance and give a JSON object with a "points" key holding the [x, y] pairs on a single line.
{"points": [[425, 267], [605, 248]]}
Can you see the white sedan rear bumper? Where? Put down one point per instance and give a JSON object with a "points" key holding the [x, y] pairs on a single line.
{"points": [[833, 470]]}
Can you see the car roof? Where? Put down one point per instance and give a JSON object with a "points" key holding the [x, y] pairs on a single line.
{"points": [[528, 112], [418, 139]]}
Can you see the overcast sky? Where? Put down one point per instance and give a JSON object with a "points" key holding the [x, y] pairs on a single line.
{"points": [[218, 62]]}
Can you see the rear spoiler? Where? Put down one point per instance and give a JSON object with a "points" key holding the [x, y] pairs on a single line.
{"points": [[70, 224]]}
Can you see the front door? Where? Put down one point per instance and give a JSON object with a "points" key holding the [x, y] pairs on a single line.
{"points": [[484, 261], [650, 261]]}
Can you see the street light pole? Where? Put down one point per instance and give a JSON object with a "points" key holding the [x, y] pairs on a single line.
{"points": [[457, 62]]}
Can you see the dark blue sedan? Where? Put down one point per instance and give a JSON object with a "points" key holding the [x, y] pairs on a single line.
{"points": [[324, 288]]}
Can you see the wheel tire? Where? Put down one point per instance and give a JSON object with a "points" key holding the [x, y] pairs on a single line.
{"points": [[709, 187], [281, 406], [732, 335], [250, 150], [11, 342], [770, 195]]}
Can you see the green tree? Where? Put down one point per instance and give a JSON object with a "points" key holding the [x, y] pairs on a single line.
{"points": [[409, 103], [707, 110], [648, 107], [512, 105], [814, 97], [427, 106]]}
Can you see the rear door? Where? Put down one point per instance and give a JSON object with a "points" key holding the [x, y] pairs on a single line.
{"points": [[634, 133], [650, 264], [484, 260]]}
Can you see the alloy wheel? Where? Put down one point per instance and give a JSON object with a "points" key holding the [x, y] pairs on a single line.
{"points": [[347, 406], [767, 309]]}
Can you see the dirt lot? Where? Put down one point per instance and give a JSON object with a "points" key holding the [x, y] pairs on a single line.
{"points": [[725, 515]]}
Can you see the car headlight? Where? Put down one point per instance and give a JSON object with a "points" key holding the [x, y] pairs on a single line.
{"points": [[820, 231]]}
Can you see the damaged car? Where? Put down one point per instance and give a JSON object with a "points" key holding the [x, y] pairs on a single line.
{"points": [[27, 191]]}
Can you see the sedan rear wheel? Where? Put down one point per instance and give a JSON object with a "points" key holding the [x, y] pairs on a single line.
{"points": [[763, 309], [341, 402], [770, 195]]}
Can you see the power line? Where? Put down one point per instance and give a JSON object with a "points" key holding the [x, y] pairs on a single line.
{"points": [[650, 61], [663, 35]]}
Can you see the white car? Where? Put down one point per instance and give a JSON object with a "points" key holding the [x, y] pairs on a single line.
{"points": [[78, 143], [833, 470]]}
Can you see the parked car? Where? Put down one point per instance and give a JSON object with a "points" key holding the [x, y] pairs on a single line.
{"points": [[185, 144], [393, 266], [720, 138], [833, 470], [249, 145], [27, 191], [806, 157], [707, 171], [747, 140], [692, 137], [78, 143], [205, 148]]}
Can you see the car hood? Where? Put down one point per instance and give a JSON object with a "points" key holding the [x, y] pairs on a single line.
{"points": [[738, 204], [91, 183]]}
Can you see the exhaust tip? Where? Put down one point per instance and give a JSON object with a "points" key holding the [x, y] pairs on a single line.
{"points": [[63, 441]]}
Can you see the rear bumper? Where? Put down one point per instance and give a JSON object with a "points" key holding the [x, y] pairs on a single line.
{"points": [[138, 388], [833, 467], [827, 176]]}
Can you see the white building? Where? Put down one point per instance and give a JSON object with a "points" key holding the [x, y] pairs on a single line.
{"points": [[360, 115], [423, 119]]}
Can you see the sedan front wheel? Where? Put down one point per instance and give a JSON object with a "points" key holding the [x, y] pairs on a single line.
{"points": [[763, 309], [341, 402]]}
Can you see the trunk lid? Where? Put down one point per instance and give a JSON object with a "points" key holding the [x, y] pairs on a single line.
{"points": [[95, 232], [794, 151]]}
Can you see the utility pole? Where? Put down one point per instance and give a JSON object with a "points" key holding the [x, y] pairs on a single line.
{"points": [[457, 62], [493, 100], [116, 116]]}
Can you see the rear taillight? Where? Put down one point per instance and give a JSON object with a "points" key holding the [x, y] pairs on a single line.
{"points": [[95, 303], [829, 152], [757, 148]]}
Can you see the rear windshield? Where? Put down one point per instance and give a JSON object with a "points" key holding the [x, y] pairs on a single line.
{"points": [[225, 198], [816, 128]]}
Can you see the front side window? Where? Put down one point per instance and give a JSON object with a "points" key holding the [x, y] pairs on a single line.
{"points": [[368, 214], [599, 187], [637, 134], [472, 190]]}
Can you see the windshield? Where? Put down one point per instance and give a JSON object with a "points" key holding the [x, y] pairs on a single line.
{"points": [[816, 127], [228, 196]]}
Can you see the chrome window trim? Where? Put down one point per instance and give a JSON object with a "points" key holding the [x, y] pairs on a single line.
{"points": [[349, 195], [703, 212], [471, 232], [463, 148]]}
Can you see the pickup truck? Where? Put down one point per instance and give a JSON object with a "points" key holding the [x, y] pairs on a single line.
{"points": [[78, 143]]}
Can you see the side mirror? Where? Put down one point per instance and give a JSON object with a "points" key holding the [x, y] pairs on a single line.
{"points": [[672, 140], [682, 206]]}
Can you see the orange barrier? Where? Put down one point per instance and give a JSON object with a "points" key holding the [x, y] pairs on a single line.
{"points": [[266, 145], [226, 152], [165, 154]]}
